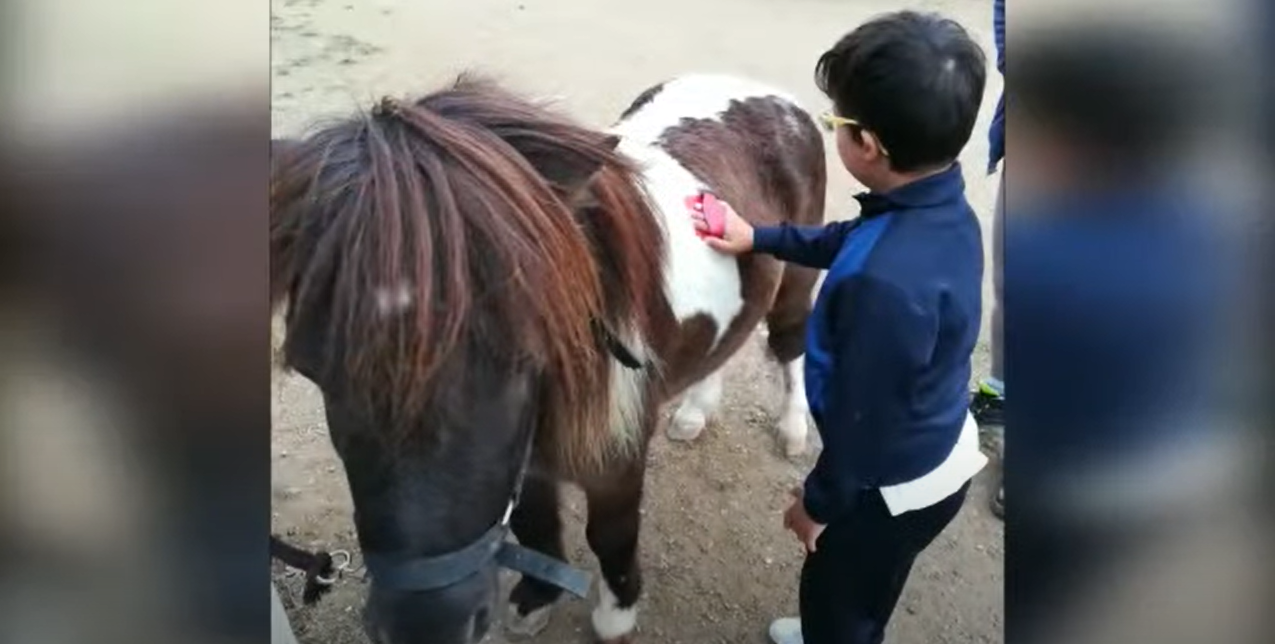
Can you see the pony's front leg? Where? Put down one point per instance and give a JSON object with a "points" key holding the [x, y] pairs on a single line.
{"points": [[538, 526], [698, 406], [614, 522]]}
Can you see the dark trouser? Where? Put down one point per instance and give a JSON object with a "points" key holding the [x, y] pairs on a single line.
{"points": [[851, 583]]}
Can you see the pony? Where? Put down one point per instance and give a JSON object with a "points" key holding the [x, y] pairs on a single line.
{"points": [[494, 300]]}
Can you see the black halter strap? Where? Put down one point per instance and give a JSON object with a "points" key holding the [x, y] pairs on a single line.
{"points": [[418, 574], [616, 348], [433, 573]]}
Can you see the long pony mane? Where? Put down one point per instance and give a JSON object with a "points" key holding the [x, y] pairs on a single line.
{"points": [[509, 232]]}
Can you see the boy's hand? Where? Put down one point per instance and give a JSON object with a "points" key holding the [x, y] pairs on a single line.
{"points": [[801, 524], [737, 233]]}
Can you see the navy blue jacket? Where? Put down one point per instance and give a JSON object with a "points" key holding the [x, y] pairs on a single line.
{"points": [[888, 345], [996, 134]]}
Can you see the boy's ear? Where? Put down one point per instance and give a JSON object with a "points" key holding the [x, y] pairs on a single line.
{"points": [[872, 149]]}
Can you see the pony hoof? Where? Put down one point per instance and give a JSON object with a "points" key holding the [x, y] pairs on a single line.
{"points": [[529, 625], [792, 432], [686, 427]]}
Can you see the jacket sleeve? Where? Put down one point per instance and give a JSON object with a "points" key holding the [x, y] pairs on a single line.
{"points": [[812, 246], [880, 338]]}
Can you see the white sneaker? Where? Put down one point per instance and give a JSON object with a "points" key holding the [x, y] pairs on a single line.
{"points": [[785, 630]]}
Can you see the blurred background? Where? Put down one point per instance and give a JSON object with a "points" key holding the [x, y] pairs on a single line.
{"points": [[135, 380], [1137, 228], [134, 389]]}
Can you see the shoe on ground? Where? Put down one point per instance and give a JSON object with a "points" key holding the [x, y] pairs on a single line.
{"points": [[785, 630], [987, 403], [994, 387]]}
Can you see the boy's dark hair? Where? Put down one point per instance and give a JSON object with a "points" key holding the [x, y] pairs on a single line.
{"points": [[915, 80]]}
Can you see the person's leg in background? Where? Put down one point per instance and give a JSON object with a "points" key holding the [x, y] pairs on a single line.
{"points": [[998, 282], [991, 395], [998, 323]]}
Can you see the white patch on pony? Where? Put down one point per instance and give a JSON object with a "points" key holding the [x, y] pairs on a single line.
{"points": [[697, 279], [609, 620], [793, 427], [628, 391], [698, 405], [393, 299], [695, 96]]}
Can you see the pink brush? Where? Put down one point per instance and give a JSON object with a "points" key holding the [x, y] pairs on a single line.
{"points": [[714, 214]]}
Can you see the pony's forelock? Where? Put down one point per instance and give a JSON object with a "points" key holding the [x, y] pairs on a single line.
{"points": [[442, 198]]}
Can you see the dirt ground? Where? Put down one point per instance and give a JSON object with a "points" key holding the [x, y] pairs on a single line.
{"points": [[718, 564]]}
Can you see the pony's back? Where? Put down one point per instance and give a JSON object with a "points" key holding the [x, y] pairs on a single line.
{"points": [[753, 146]]}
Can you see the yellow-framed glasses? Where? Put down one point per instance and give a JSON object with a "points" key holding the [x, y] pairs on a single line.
{"points": [[831, 122]]}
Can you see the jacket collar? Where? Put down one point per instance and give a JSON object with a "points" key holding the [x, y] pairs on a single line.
{"points": [[933, 190]]}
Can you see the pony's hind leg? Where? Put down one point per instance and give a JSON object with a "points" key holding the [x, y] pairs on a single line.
{"points": [[538, 526], [786, 338], [614, 522], [698, 405]]}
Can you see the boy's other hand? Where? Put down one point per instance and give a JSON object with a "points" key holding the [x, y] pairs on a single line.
{"points": [[797, 520], [737, 233]]}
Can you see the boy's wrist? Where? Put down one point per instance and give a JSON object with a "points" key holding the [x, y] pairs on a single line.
{"points": [[762, 238], [812, 501]]}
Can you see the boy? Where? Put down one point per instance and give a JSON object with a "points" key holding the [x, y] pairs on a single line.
{"points": [[888, 346]]}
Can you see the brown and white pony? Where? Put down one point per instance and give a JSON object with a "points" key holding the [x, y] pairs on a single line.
{"points": [[461, 272]]}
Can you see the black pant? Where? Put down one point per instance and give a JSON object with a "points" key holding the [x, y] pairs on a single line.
{"points": [[851, 583]]}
